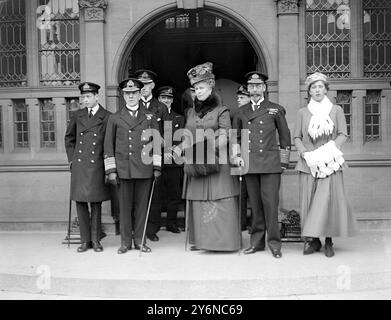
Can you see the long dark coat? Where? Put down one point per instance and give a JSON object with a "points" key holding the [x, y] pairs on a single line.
{"points": [[84, 147], [263, 124]]}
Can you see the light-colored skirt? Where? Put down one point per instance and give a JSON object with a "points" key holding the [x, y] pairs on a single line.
{"points": [[214, 224], [324, 208]]}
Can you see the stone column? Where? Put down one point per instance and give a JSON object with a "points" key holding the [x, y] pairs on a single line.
{"points": [[288, 58], [93, 44]]}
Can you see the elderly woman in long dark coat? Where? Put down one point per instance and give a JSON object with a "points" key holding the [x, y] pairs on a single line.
{"points": [[319, 134], [211, 198]]}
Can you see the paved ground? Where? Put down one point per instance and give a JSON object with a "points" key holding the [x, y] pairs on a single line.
{"points": [[37, 266]]}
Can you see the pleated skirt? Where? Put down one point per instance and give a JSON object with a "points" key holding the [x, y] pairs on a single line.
{"points": [[324, 207], [214, 224]]}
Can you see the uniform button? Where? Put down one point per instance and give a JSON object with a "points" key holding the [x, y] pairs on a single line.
{"points": [[249, 150], [249, 141], [249, 122], [130, 131], [261, 122], [130, 138], [81, 133], [93, 152], [261, 150], [80, 151], [249, 131], [143, 153], [78, 160], [260, 131], [94, 143], [94, 134], [260, 141], [81, 142], [130, 153], [92, 161], [130, 146]]}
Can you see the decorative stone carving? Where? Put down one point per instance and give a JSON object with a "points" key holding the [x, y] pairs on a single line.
{"points": [[288, 6], [93, 4], [93, 9]]}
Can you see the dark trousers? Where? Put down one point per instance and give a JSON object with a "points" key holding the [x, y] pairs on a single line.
{"points": [[114, 202], [133, 197], [168, 187], [263, 192], [243, 208], [90, 226]]}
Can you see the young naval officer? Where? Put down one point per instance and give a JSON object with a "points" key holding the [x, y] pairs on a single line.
{"points": [[266, 161], [84, 147], [169, 185], [126, 148]]}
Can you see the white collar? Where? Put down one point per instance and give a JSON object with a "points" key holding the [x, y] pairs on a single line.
{"points": [[94, 109], [133, 109], [257, 104], [147, 100]]}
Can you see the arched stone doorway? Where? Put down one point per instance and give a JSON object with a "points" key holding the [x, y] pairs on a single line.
{"points": [[177, 40]]}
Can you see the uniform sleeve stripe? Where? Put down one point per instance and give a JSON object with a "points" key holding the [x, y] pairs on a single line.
{"points": [[110, 163], [157, 160]]}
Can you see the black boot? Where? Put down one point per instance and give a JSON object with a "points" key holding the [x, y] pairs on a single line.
{"points": [[117, 232], [312, 246], [328, 248]]}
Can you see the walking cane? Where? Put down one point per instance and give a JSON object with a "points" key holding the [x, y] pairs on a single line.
{"points": [[240, 212], [146, 219], [69, 214], [186, 224]]}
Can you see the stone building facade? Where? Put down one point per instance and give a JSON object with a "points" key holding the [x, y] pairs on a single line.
{"points": [[48, 46]]}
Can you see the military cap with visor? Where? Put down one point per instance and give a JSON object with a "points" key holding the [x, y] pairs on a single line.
{"points": [[86, 87], [255, 77], [166, 91], [145, 76], [130, 85]]}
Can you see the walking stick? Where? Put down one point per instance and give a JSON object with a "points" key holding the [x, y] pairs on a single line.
{"points": [[69, 214], [186, 224], [240, 213], [146, 219]]}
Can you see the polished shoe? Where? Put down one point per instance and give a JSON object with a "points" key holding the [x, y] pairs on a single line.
{"points": [[312, 246], [328, 250], [153, 237], [84, 247], [252, 250], [124, 249], [194, 248], [173, 229], [143, 248], [97, 246], [276, 253]]}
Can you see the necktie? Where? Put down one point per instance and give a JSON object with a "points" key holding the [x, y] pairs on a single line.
{"points": [[90, 115]]}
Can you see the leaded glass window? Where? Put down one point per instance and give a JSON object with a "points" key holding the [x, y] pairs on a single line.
{"points": [[13, 68], [195, 20], [372, 115], [377, 38], [72, 104], [59, 42], [21, 127], [344, 99], [48, 130], [328, 37], [1, 127]]}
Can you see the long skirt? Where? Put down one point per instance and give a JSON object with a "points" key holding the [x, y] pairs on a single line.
{"points": [[325, 211], [214, 224]]}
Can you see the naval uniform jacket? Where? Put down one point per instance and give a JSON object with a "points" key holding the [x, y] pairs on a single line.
{"points": [[84, 147], [158, 109], [262, 124], [127, 142], [176, 122]]}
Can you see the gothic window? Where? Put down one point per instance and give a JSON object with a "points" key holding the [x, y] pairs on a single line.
{"points": [[372, 116], [328, 37], [195, 20], [21, 129], [377, 38], [13, 68], [48, 130], [344, 99], [59, 42], [72, 104]]}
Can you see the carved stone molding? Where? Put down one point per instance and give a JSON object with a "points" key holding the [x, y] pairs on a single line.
{"points": [[288, 6], [93, 9], [93, 4], [190, 4]]}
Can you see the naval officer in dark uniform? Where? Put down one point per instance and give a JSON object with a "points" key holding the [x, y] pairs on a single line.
{"points": [[84, 147], [169, 185], [266, 161], [131, 164]]}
